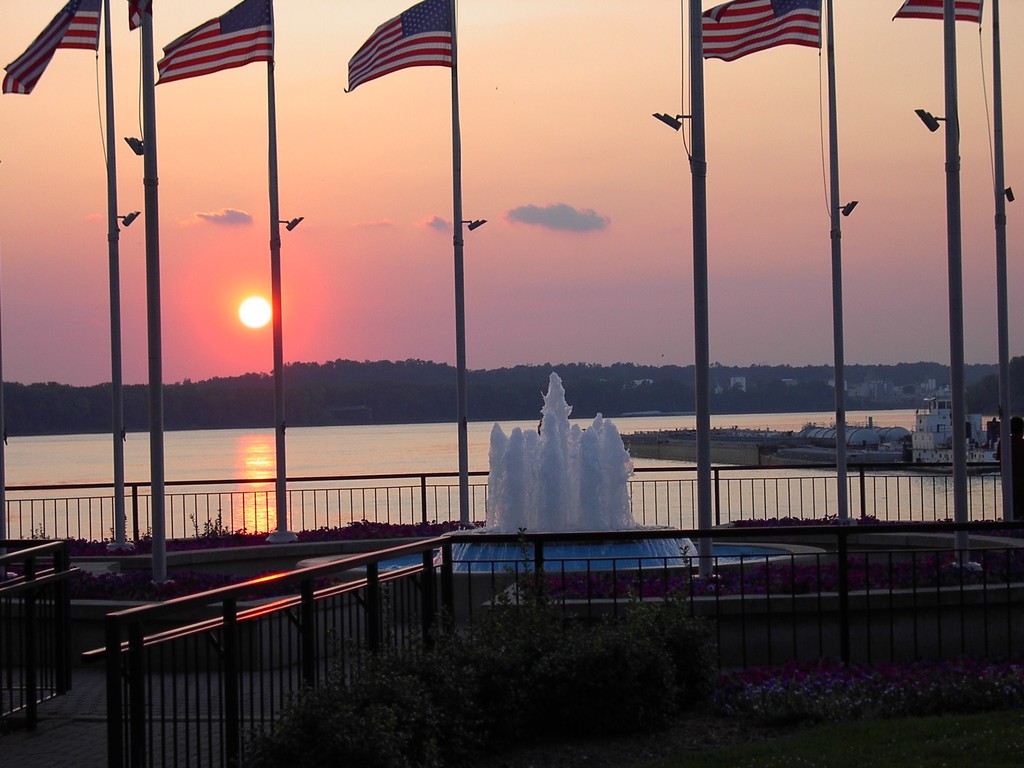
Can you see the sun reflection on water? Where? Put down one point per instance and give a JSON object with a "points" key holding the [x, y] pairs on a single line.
{"points": [[255, 460]]}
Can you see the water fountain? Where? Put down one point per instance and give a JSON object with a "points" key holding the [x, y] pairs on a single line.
{"points": [[562, 478]]}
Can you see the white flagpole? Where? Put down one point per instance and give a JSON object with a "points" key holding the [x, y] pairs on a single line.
{"points": [[702, 355], [156, 395], [460, 289], [282, 534], [1002, 299], [955, 268], [113, 237], [842, 502]]}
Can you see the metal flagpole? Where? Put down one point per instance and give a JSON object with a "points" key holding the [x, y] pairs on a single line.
{"points": [[955, 266], [460, 289], [282, 534], [113, 237], [156, 395], [702, 364], [837, 275], [1002, 299], [3, 444]]}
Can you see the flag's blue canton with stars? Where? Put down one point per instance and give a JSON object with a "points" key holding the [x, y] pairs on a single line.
{"points": [[77, 25], [251, 14], [782, 7], [419, 37], [430, 16], [242, 35], [735, 29]]}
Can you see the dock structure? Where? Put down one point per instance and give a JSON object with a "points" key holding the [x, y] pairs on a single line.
{"points": [[772, 448], [728, 446]]}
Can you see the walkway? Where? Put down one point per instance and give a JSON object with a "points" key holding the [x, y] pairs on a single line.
{"points": [[72, 729]]}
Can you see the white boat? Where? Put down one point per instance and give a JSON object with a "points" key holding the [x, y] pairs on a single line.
{"points": [[932, 438]]}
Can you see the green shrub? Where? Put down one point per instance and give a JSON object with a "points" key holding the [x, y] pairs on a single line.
{"points": [[521, 671]]}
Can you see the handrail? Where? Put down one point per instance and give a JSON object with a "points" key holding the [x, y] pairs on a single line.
{"points": [[658, 495], [669, 468], [153, 610]]}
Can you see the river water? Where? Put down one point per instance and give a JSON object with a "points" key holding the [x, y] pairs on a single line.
{"points": [[317, 451], [240, 458]]}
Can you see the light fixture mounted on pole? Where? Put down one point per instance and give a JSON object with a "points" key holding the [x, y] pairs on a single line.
{"points": [[847, 209], [128, 218], [475, 223], [675, 123], [930, 121], [137, 145], [293, 223]]}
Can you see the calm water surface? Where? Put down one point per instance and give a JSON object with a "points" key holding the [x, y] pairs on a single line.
{"points": [[314, 451]]}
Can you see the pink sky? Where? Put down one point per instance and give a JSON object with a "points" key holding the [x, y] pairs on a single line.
{"points": [[587, 253]]}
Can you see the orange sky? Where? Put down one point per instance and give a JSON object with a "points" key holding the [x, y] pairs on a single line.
{"points": [[556, 103]]}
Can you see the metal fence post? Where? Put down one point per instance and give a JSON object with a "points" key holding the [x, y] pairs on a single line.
{"points": [[62, 625], [842, 552], [307, 626], [427, 602], [447, 581], [423, 499], [115, 708], [718, 498], [28, 632], [538, 564], [232, 726], [136, 696], [373, 609], [135, 512], [863, 495]]}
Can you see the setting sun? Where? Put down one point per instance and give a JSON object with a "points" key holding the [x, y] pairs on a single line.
{"points": [[254, 312]]}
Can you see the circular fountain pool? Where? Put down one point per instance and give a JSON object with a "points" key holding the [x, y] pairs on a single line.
{"points": [[487, 557]]}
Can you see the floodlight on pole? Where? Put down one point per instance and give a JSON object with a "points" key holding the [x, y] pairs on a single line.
{"points": [[293, 223], [1009, 194], [128, 218], [930, 121], [136, 144], [474, 224], [847, 209], [675, 123]]}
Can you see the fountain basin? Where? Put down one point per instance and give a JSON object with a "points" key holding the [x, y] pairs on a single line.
{"points": [[602, 556]]}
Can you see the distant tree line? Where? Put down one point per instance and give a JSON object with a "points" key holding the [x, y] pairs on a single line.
{"points": [[347, 392]]}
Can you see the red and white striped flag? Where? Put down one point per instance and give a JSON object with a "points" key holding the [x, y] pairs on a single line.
{"points": [[741, 27], [135, 10], [242, 35], [420, 37], [965, 10], [76, 26]]}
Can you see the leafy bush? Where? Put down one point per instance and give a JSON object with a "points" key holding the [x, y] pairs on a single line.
{"points": [[523, 670]]}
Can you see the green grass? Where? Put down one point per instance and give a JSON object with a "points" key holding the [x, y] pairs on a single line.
{"points": [[989, 740]]}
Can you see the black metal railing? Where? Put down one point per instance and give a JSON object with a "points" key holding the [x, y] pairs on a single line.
{"points": [[35, 660], [658, 496], [186, 679]]}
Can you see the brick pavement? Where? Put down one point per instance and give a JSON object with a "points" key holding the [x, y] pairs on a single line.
{"points": [[72, 729]]}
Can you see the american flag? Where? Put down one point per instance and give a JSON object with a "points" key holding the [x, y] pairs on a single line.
{"points": [[76, 26], [735, 29], [420, 37], [965, 10], [242, 35], [135, 10]]}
